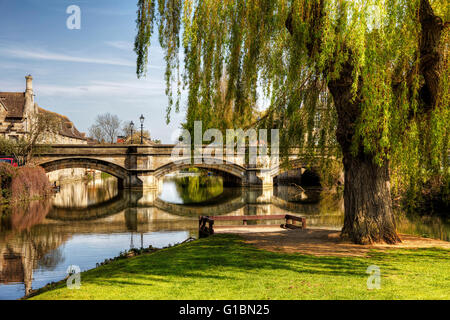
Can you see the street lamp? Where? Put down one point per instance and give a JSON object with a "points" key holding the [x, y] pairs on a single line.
{"points": [[142, 128], [131, 128]]}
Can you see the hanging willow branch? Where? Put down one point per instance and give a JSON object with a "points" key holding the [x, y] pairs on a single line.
{"points": [[296, 56]]}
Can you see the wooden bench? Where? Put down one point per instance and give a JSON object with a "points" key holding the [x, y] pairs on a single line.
{"points": [[206, 223]]}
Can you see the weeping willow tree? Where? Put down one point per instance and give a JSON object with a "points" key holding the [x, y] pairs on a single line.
{"points": [[370, 76]]}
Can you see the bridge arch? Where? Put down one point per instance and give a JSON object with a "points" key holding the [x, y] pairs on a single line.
{"points": [[231, 169], [295, 171], [292, 165], [87, 163]]}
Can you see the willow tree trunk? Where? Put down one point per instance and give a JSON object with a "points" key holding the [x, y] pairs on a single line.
{"points": [[367, 197]]}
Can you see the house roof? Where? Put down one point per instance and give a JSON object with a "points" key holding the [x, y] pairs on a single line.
{"points": [[14, 103], [67, 127]]}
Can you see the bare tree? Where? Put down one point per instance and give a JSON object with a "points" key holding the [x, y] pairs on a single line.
{"points": [[106, 128], [96, 133], [126, 130], [42, 126]]}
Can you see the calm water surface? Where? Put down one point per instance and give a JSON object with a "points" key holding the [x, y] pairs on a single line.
{"points": [[86, 223]]}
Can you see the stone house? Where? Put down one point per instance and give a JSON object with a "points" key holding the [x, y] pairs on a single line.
{"points": [[16, 113]]}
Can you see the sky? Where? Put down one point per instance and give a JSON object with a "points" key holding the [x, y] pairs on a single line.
{"points": [[84, 72]]}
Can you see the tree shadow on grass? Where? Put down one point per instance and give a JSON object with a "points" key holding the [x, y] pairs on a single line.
{"points": [[208, 258], [223, 259]]}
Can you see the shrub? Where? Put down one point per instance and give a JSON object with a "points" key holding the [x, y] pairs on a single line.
{"points": [[7, 173], [22, 183], [29, 182]]}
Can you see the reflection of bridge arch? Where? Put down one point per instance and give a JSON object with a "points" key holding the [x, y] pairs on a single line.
{"points": [[230, 168], [222, 204], [92, 212], [231, 201], [295, 207], [86, 163]]}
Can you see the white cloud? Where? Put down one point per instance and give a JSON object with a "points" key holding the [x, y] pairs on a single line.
{"points": [[122, 45], [112, 11], [130, 89], [37, 54], [45, 55]]}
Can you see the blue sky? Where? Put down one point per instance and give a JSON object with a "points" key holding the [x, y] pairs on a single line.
{"points": [[86, 72]]}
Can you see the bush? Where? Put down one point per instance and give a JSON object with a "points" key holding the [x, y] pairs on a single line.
{"points": [[23, 183], [7, 173], [30, 182]]}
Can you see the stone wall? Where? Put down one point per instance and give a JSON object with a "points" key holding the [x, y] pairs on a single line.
{"points": [[68, 174]]}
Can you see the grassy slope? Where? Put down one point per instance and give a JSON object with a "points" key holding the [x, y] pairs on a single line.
{"points": [[223, 267]]}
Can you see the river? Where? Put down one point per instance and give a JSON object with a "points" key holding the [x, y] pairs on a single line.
{"points": [[88, 222]]}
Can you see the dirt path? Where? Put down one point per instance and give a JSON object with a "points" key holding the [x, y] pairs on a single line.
{"points": [[321, 242]]}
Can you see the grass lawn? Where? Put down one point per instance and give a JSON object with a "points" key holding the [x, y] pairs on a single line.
{"points": [[224, 267]]}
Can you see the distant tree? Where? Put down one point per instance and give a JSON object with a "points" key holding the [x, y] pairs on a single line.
{"points": [[126, 132], [96, 133], [106, 128], [126, 129], [137, 136], [8, 147], [42, 126]]}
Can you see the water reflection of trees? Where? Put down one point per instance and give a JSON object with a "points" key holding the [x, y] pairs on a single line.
{"points": [[51, 260], [21, 253], [23, 216], [199, 188], [424, 226], [82, 194], [24, 242]]}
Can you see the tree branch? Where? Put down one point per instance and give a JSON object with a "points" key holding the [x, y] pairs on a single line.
{"points": [[431, 62]]}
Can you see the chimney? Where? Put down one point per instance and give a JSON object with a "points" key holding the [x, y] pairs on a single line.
{"points": [[30, 106], [29, 84]]}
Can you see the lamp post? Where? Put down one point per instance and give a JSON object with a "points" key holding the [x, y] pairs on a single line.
{"points": [[142, 128], [131, 128]]}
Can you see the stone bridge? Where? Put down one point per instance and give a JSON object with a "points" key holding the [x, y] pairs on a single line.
{"points": [[144, 166]]}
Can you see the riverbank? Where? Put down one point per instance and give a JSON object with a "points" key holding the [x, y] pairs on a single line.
{"points": [[225, 266]]}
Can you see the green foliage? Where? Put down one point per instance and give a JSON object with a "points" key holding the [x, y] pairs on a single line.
{"points": [[7, 173], [240, 53], [12, 147], [22, 148], [104, 175], [199, 188]]}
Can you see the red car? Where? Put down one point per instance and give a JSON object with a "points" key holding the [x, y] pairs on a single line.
{"points": [[11, 161]]}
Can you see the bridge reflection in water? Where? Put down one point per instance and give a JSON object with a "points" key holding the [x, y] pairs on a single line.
{"points": [[87, 223]]}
